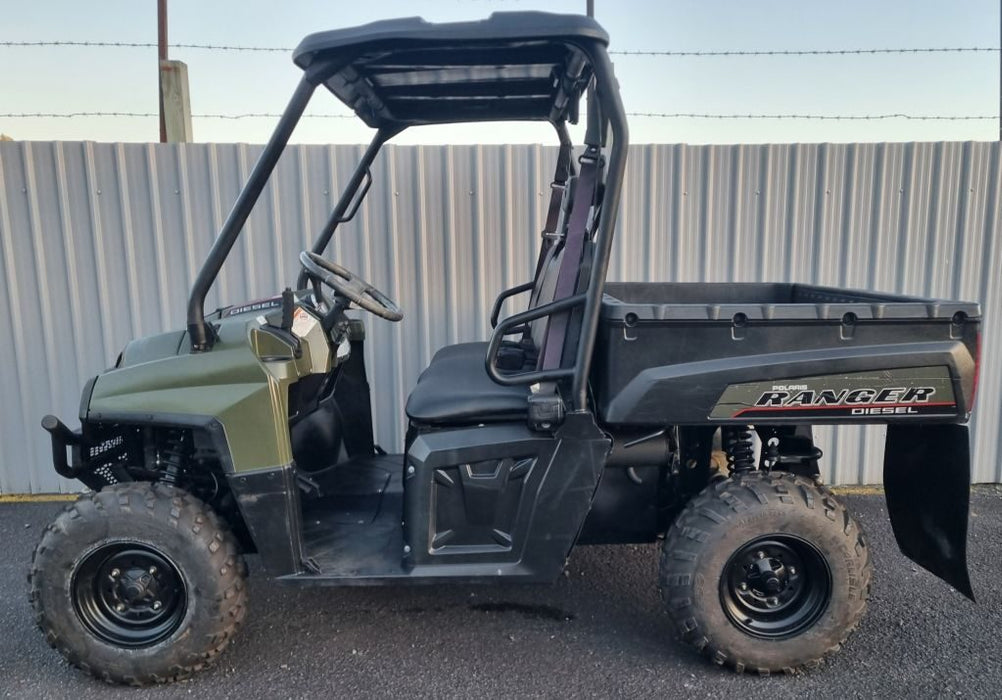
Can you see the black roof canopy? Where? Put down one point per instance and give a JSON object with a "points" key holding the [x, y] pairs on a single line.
{"points": [[510, 66]]}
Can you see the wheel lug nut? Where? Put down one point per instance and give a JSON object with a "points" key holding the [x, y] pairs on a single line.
{"points": [[760, 555], [157, 605], [153, 570], [115, 573], [773, 601], [120, 607], [793, 571], [744, 586]]}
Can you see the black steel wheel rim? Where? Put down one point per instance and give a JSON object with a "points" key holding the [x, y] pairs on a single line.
{"points": [[775, 587], [129, 594]]}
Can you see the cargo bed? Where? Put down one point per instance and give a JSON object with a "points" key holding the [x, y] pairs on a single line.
{"points": [[678, 353]]}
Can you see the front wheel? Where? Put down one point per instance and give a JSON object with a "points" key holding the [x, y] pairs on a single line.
{"points": [[138, 583], [765, 572]]}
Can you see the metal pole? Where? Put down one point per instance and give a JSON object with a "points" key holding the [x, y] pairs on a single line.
{"points": [[592, 127], [1000, 70], [161, 56], [612, 109]]}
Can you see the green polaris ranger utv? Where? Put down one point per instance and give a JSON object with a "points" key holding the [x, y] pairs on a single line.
{"points": [[602, 413]]}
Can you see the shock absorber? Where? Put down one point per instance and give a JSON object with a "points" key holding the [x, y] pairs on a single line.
{"points": [[173, 454], [740, 448]]}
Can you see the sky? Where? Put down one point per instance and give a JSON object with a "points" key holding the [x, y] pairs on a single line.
{"points": [[84, 79]]}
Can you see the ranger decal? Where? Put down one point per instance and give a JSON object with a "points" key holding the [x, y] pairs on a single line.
{"points": [[893, 394]]}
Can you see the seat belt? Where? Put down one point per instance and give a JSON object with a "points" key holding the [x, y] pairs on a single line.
{"points": [[557, 188], [577, 231]]}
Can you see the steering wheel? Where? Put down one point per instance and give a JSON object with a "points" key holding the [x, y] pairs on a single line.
{"points": [[347, 284]]}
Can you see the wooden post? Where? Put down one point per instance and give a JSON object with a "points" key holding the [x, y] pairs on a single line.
{"points": [[162, 56], [176, 106]]}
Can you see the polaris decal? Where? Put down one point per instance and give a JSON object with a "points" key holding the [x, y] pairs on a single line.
{"points": [[900, 393]]}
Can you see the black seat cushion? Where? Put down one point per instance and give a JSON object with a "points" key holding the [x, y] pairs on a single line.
{"points": [[460, 358], [455, 389], [460, 352]]}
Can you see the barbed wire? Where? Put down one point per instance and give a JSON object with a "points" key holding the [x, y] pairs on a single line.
{"points": [[813, 52], [624, 52], [656, 115], [828, 117], [142, 45], [245, 115]]}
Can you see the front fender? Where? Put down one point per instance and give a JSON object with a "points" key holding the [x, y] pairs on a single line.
{"points": [[248, 397]]}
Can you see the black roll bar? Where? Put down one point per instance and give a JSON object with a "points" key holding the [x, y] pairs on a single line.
{"points": [[612, 111], [604, 107], [520, 319], [201, 335], [506, 294], [340, 214]]}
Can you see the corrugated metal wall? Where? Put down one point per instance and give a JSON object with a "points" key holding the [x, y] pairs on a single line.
{"points": [[100, 243]]}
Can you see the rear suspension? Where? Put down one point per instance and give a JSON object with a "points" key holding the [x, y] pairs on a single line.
{"points": [[739, 445]]}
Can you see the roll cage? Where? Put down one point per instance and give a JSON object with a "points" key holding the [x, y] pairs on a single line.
{"points": [[516, 66]]}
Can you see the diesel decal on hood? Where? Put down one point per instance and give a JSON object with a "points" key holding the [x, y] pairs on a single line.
{"points": [[892, 393], [259, 305]]}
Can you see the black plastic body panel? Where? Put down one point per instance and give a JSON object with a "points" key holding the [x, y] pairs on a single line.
{"points": [[499, 500], [317, 435], [324, 419], [269, 502], [625, 509], [351, 394], [665, 353]]}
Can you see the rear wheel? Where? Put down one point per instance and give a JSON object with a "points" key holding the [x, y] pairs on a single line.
{"points": [[138, 583], [765, 572]]}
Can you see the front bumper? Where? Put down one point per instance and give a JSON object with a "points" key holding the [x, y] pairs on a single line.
{"points": [[62, 439]]}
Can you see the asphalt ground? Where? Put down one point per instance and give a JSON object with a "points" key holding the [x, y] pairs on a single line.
{"points": [[598, 632]]}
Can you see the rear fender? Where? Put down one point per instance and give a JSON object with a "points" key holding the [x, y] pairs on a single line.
{"points": [[927, 481]]}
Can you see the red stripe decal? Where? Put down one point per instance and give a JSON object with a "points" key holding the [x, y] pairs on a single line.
{"points": [[840, 407]]}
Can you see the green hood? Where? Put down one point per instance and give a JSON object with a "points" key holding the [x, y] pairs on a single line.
{"points": [[152, 347]]}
